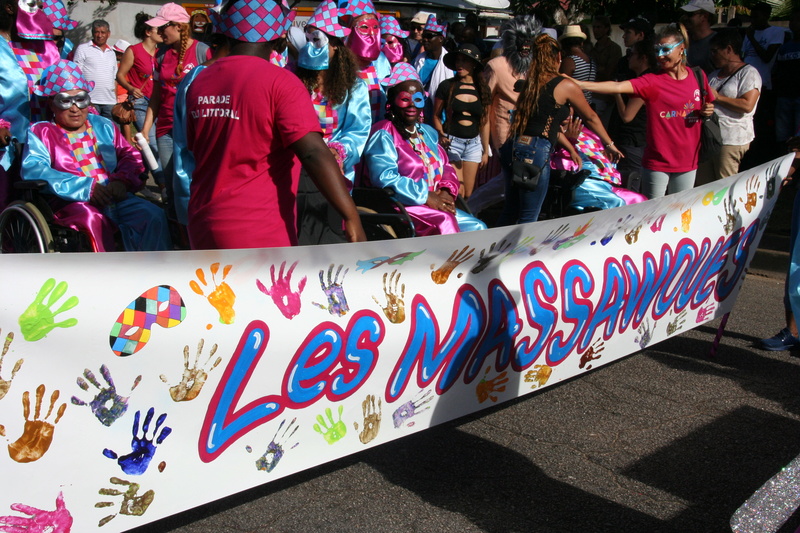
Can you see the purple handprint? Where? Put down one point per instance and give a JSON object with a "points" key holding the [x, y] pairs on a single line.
{"points": [[142, 448], [39, 520], [107, 405], [337, 302], [287, 301], [409, 409]]}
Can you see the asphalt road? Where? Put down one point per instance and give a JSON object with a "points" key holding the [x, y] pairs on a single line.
{"points": [[664, 440]]}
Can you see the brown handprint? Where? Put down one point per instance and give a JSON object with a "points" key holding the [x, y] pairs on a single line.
{"points": [[442, 274], [193, 378], [731, 214], [5, 384], [592, 353], [395, 309], [539, 375], [222, 297], [131, 504], [372, 419], [486, 387], [633, 235], [752, 186], [37, 435]]}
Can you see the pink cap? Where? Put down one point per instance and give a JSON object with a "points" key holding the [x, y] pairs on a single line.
{"points": [[171, 12], [326, 19], [400, 72], [389, 25]]}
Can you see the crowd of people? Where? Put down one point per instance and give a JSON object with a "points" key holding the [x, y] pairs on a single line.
{"points": [[262, 128]]}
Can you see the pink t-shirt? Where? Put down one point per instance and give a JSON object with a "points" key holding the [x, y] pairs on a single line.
{"points": [[242, 115], [169, 80], [673, 120], [141, 72]]}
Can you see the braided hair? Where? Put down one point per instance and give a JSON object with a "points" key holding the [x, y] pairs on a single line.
{"points": [[543, 68], [186, 36]]}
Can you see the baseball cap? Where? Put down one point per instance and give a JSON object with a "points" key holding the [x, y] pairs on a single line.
{"points": [[700, 5], [170, 12], [421, 17], [638, 24]]}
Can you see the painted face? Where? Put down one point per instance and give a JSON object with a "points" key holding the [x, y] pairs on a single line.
{"points": [[199, 24], [70, 109]]}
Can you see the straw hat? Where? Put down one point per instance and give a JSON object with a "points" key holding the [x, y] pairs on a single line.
{"points": [[573, 30]]}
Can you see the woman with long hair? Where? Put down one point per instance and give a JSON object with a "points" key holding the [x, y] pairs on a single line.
{"points": [[465, 101], [404, 156], [181, 55], [674, 114], [329, 71], [135, 75], [544, 103]]}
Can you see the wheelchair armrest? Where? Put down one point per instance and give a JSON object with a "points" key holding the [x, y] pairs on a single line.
{"points": [[30, 185], [382, 209]]}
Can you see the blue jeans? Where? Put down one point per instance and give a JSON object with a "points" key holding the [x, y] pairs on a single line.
{"points": [[522, 205], [787, 118], [140, 108]]}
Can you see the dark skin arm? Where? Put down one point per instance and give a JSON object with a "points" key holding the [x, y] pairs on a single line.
{"points": [[321, 166], [765, 54]]}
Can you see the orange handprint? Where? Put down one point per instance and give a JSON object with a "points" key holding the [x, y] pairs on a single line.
{"points": [[37, 435], [486, 387], [442, 274], [5, 384], [222, 297], [753, 184]]}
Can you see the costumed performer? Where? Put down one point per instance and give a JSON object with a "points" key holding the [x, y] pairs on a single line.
{"points": [[392, 47], [90, 168], [404, 155], [57, 14]]}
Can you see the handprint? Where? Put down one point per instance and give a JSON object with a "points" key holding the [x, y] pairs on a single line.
{"points": [[37, 435], [337, 301], [287, 301], [538, 375], [193, 378], [332, 431], [556, 234], [365, 265], [731, 214], [107, 405], [412, 408], [486, 387], [644, 337], [39, 319], [395, 309], [372, 419], [752, 186], [575, 238], [275, 451], [524, 245], [592, 353], [486, 258], [38, 520], [131, 504], [142, 448], [621, 222], [686, 220], [633, 235], [222, 297], [442, 274], [704, 313], [5, 384], [676, 324]]}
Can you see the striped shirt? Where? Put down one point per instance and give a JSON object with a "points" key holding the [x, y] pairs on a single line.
{"points": [[584, 71], [100, 66]]}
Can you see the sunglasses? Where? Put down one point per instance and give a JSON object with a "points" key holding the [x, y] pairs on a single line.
{"points": [[430, 35], [167, 25], [64, 101], [665, 49]]}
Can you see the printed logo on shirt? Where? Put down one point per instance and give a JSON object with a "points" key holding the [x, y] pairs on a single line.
{"points": [[687, 112], [204, 111]]}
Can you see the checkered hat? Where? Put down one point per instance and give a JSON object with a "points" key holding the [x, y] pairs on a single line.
{"points": [[356, 8], [400, 72], [432, 26], [390, 25], [326, 19], [57, 14], [256, 21], [60, 77]]}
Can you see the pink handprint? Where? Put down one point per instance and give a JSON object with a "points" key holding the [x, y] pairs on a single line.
{"points": [[705, 313], [287, 301], [39, 520]]}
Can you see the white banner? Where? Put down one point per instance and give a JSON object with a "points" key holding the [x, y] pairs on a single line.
{"points": [[135, 386]]}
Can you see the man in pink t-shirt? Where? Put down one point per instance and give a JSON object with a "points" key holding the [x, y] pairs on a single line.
{"points": [[249, 126]]}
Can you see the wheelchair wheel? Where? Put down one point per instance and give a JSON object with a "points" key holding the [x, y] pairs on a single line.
{"points": [[23, 229]]}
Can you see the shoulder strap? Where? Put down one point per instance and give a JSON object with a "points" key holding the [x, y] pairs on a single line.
{"points": [[201, 52], [700, 83], [731, 76]]}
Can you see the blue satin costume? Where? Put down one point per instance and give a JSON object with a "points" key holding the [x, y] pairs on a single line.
{"points": [[352, 129], [182, 159], [47, 156]]}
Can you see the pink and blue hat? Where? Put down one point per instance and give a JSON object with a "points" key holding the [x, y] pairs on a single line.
{"points": [[256, 21], [390, 25], [57, 13], [326, 19], [431, 25], [401, 72], [60, 77], [356, 8]]}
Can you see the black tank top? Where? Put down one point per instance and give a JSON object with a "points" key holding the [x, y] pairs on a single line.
{"points": [[546, 121]]}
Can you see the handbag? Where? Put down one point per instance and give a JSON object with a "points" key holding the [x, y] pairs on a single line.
{"points": [[711, 135], [124, 113], [524, 173]]}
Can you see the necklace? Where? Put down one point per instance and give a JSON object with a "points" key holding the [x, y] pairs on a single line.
{"points": [[411, 132]]}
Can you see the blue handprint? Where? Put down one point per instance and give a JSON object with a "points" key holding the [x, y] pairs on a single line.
{"points": [[337, 302], [142, 448], [107, 405]]}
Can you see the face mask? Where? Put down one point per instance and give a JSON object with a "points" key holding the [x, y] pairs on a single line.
{"points": [[278, 59], [65, 101], [406, 99], [32, 23], [314, 55], [364, 40], [199, 26], [392, 49]]}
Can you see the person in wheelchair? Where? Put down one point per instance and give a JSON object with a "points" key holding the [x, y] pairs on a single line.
{"points": [[404, 155], [90, 169]]}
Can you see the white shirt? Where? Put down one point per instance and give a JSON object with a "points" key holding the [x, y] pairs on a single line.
{"points": [[100, 66], [737, 128], [766, 37]]}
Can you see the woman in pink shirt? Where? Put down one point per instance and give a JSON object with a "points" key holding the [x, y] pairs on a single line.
{"points": [[674, 113]]}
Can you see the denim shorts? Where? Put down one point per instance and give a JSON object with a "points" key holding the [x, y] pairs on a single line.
{"points": [[469, 150]]}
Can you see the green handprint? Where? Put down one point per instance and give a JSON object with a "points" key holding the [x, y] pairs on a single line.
{"points": [[38, 319], [334, 431]]}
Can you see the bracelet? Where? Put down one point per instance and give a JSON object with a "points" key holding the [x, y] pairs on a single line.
{"points": [[609, 145]]}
